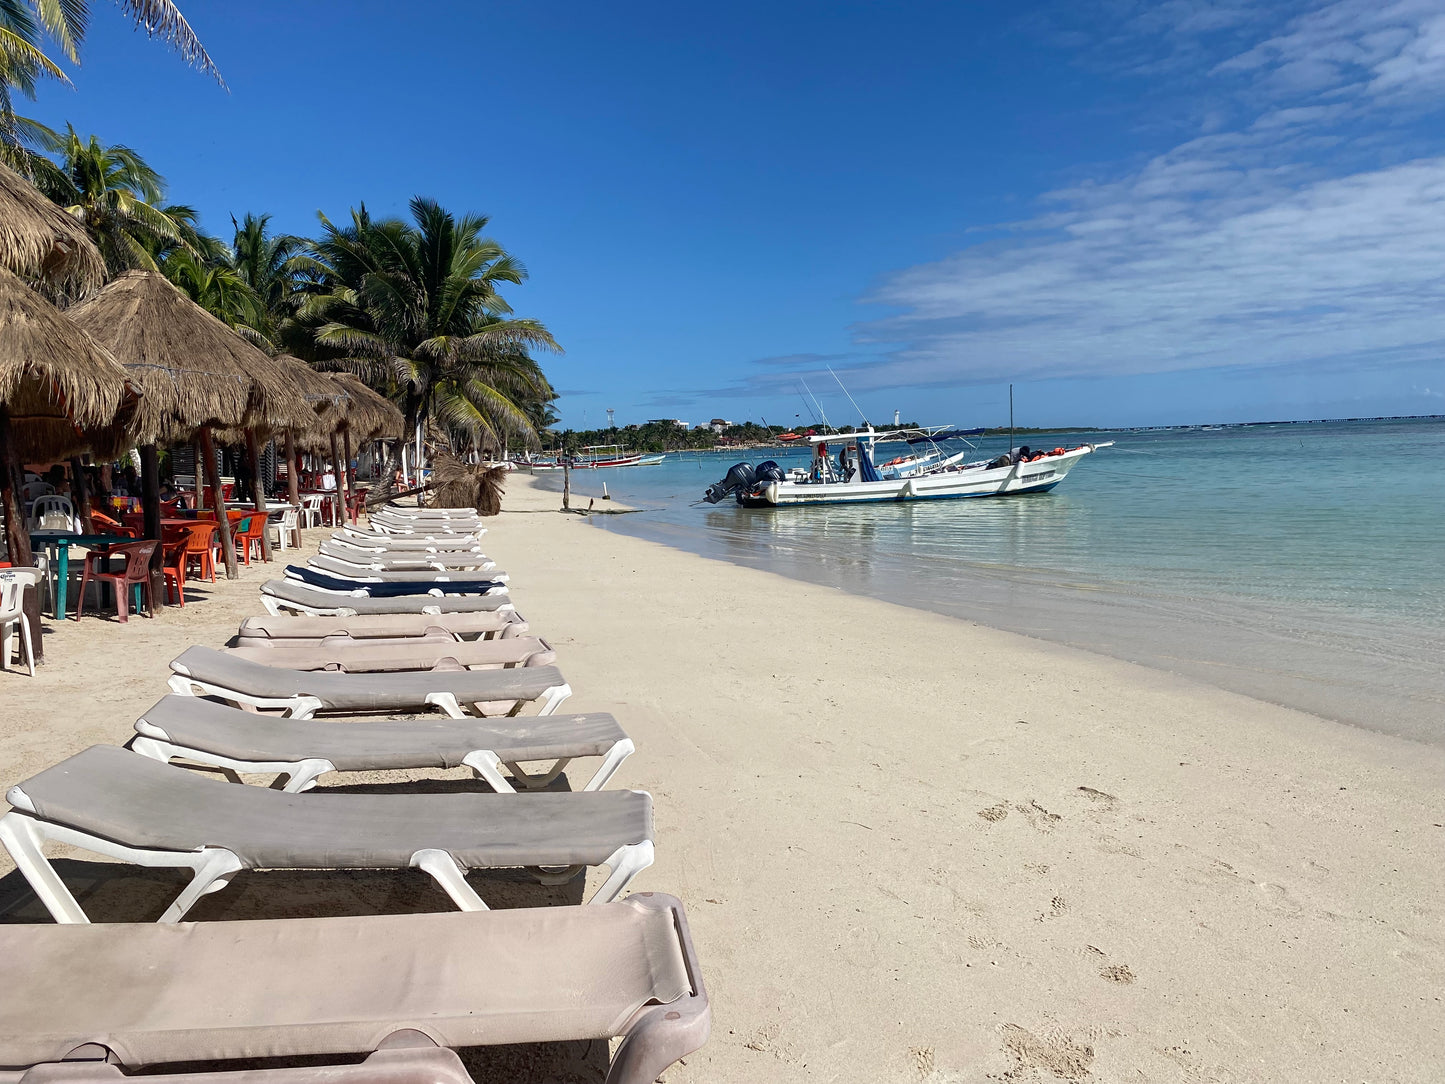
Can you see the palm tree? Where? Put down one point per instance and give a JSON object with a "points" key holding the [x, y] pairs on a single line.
{"points": [[23, 64], [262, 261], [115, 192], [216, 287], [414, 308]]}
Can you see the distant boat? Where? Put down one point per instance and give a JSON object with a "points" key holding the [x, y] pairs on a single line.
{"points": [[927, 471], [651, 460], [605, 455]]}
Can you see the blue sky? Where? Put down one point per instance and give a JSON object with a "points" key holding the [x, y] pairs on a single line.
{"points": [[1137, 213]]}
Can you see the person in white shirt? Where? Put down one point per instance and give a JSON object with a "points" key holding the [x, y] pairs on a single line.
{"points": [[328, 480]]}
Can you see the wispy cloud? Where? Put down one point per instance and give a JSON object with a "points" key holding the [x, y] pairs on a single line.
{"points": [[1309, 227]]}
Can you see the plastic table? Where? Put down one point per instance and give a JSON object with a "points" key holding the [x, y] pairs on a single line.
{"points": [[57, 544]]}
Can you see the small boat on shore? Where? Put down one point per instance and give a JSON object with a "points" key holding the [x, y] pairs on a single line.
{"points": [[605, 455], [928, 470]]}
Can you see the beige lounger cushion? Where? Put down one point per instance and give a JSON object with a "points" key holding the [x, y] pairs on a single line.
{"points": [[279, 630], [379, 744], [359, 657], [122, 796], [211, 991], [300, 594]]}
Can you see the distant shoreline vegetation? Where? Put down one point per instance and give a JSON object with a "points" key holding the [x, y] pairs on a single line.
{"points": [[671, 436]]}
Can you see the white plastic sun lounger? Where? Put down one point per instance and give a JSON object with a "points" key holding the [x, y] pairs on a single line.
{"points": [[94, 1003], [119, 804], [279, 595], [382, 628], [329, 566], [350, 536], [463, 583], [302, 694], [400, 560], [360, 657], [303, 750]]}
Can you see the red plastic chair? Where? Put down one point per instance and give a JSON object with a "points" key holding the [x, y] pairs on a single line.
{"points": [[248, 536], [105, 525], [200, 539], [137, 573], [173, 564]]}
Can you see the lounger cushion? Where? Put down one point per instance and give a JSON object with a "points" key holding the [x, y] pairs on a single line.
{"points": [[364, 692], [380, 626], [131, 799], [301, 595], [379, 744], [313, 578], [330, 566], [359, 657], [395, 560], [213, 991]]}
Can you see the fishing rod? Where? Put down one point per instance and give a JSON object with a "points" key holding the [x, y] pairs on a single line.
{"points": [[823, 413], [862, 417]]}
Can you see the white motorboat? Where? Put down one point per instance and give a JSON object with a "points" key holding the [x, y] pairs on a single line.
{"points": [[844, 470]]}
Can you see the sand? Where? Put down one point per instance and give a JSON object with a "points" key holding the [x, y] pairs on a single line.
{"points": [[918, 849]]}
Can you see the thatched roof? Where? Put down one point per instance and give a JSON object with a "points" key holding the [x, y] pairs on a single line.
{"points": [[192, 370], [358, 409], [39, 242], [65, 393]]}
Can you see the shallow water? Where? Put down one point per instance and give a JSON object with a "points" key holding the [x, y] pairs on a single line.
{"points": [[1297, 563]]}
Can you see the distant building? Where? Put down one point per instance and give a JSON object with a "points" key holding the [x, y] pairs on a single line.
{"points": [[717, 425]]}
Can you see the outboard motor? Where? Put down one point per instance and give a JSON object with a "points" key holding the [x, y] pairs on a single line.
{"points": [[740, 477], [768, 471]]}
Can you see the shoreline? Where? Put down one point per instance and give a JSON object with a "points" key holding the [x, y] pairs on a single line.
{"points": [[1375, 678]]}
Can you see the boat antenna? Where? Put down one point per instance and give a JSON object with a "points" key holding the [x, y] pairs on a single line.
{"points": [[821, 412], [811, 412], [1010, 419], [856, 407]]}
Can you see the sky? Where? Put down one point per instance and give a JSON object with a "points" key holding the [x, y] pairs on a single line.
{"points": [[1135, 213]]}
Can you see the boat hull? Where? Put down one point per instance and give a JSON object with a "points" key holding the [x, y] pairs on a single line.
{"points": [[1018, 480]]}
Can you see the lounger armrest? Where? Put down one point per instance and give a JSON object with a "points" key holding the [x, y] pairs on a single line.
{"points": [[661, 1034]]}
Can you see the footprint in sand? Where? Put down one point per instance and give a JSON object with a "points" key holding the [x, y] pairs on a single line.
{"points": [[1037, 816], [994, 813], [1103, 801], [1057, 1054], [1057, 907]]}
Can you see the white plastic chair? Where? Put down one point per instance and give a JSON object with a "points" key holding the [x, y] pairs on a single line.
{"points": [[13, 582], [311, 510], [287, 528], [38, 488], [52, 513]]}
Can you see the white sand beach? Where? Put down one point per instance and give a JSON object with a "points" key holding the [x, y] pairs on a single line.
{"points": [[917, 849]]}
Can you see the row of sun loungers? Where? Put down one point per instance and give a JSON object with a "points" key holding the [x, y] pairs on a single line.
{"points": [[101, 1001]]}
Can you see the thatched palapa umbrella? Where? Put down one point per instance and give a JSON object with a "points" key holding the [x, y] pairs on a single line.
{"points": [[194, 374], [365, 414], [40, 243], [56, 382]]}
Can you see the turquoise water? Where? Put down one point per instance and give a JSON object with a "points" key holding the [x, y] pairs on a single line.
{"points": [[1298, 563]]}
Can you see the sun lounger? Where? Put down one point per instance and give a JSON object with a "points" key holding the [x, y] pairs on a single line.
{"points": [[350, 536], [381, 628], [119, 804], [340, 570], [301, 694], [377, 588], [399, 560], [404, 986], [302, 750], [361, 657], [278, 595]]}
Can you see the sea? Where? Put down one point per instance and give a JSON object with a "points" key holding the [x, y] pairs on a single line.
{"points": [[1298, 563]]}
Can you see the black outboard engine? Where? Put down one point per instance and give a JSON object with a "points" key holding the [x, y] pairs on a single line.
{"points": [[740, 478], [768, 471]]}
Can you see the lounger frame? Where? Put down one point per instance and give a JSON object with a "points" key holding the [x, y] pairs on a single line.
{"points": [[24, 835]]}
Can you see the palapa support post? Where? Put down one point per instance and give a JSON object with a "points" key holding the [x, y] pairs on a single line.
{"points": [[81, 492], [258, 491], [150, 504], [293, 480], [218, 503], [340, 482], [17, 530], [350, 474]]}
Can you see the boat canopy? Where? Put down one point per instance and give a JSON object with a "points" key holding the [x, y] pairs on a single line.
{"points": [[912, 436]]}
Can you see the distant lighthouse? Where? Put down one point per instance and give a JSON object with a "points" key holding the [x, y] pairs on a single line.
{"points": [[896, 422]]}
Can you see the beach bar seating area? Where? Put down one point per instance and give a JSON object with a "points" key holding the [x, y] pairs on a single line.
{"points": [[225, 777]]}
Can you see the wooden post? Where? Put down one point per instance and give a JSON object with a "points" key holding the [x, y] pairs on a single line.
{"points": [[150, 503], [17, 530], [293, 480], [258, 491], [81, 492], [223, 524], [566, 485], [340, 482], [350, 474]]}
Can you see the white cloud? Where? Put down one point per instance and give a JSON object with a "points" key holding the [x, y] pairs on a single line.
{"points": [[1307, 234]]}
